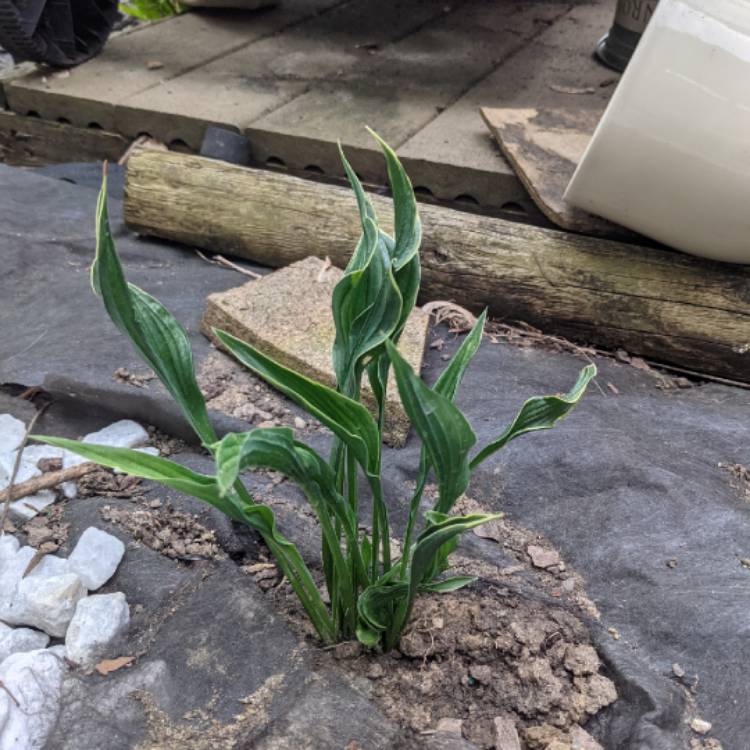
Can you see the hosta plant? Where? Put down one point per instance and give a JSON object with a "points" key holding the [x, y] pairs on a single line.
{"points": [[371, 591]]}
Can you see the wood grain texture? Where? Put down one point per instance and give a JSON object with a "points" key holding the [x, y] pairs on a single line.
{"points": [[664, 305]]}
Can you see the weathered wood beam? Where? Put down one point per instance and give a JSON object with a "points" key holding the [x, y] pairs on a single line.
{"points": [[664, 305]]}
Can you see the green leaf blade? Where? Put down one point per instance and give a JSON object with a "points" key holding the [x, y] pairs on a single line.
{"points": [[446, 434], [347, 419], [539, 413], [161, 341]]}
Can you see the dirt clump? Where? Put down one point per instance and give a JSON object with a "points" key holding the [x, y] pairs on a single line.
{"points": [[478, 655], [231, 389], [171, 532]]}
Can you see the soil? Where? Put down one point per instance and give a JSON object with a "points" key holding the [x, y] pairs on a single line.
{"points": [[174, 534], [490, 651], [231, 389]]}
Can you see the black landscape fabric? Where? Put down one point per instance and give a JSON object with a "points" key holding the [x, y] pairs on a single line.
{"points": [[628, 488]]}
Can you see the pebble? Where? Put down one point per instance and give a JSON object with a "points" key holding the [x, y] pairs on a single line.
{"points": [[50, 565], [95, 558], [8, 547], [123, 434], [481, 673], [12, 431], [581, 660], [27, 507], [542, 557], [614, 632], [506, 735], [13, 563], [17, 640], [47, 603], [700, 726], [34, 679], [450, 726], [300, 423], [678, 671], [26, 469], [98, 621]]}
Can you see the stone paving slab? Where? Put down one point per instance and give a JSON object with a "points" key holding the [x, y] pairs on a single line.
{"points": [[287, 315]]}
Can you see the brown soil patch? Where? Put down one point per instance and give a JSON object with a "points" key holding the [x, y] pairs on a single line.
{"points": [[230, 388], [171, 532], [489, 653]]}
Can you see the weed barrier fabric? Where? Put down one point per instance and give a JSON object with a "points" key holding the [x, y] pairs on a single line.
{"points": [[628, 488]]}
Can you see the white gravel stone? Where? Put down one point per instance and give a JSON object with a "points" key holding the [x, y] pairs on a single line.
{"points": [[17, 640], [99, 621], [8, 547], [122, 434], [96, 556], [13, 563], [12, 431], [27, 507], [59, 651], [34, 679], [26, 469], [50, 565], [35, 453], [47, 603]]}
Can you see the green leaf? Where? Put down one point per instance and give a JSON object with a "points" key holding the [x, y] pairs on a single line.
{"points": [[429, 545], [367, 637], [161, 341], [408, 228], [366, 310], [275, 448], [366, 211], [539, 413], [375, 604], [347, 419], [447, 584], [142, 465], [206, 488], [445, 432], [450, 379]]}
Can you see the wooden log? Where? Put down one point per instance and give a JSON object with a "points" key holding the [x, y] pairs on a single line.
{"points": [[656, 303]]}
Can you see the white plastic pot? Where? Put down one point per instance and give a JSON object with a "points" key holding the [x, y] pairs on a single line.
{"points": [[670, 157]]}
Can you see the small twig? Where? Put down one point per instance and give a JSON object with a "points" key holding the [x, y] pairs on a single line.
{"points": [[39, 555], [46, 481], [17, 466], [220, 260], [13, 697]]}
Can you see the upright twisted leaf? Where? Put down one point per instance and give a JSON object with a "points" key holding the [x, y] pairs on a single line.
{"points": [[445, 432], [408, 228], [539, 413], [450, 378], [366, 309], [158, 337]]}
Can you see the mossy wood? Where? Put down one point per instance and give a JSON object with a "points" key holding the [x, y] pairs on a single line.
{"points": [[661, 304]]}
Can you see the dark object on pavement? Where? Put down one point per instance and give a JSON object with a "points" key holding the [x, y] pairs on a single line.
{"points": [[616, 47], [220, 143], [60, 33]]}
